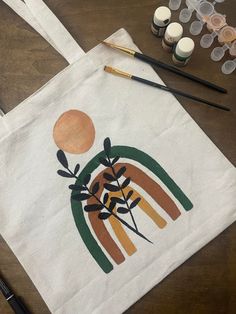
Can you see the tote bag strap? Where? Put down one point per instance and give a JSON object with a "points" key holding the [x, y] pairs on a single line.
{"points": [[40, 17]]}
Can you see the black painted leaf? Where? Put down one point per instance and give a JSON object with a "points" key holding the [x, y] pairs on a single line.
{"points": [[64, 174], [122, 210], [105, 198], [115, 160], [125, 183], [117, 200], [112, 206], [108, 176], [87, 179], [120, 172], [95, 188], [111, 187], [104, 162], [83, 196], [77, 167], [107, 146], [104, 216], [93, 207], [129, 195], [62, 158], [75, 187], [135, 202]]}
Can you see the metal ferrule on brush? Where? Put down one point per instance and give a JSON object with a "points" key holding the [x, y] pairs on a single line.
{"points": [[125, 50]]}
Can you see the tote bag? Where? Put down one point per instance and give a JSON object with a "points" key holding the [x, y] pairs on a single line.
{"points": [[147, 188]]}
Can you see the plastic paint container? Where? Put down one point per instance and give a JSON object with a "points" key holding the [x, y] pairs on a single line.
{"points": [[183, 51], [226, 35], [173, 33], [215, 22], [232, 50], [161, 20]]}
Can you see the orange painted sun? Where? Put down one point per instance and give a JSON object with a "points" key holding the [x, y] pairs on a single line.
{"points": [[74, 132]]}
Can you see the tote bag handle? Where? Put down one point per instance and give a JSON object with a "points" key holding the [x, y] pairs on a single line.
{"points": [[40, 17]]}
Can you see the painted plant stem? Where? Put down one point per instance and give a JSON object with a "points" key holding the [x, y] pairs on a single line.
{"points": [[117, 217], [124, 197]]}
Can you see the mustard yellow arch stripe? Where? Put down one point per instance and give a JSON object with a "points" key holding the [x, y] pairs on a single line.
{"points": [[122, 236], [117, 227]]}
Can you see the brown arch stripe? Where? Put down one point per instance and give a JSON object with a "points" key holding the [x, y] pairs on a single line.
{"points": [[152, 188]]}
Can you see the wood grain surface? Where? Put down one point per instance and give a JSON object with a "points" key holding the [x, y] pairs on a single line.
{"points": [[206, 283]]}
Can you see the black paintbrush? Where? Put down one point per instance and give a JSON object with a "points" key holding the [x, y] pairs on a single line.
{"points": [[15, 303], [165, 66], [162, 87]]}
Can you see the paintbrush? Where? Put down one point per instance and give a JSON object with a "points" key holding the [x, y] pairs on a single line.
{"points": [[165, 66], [162, 87]]}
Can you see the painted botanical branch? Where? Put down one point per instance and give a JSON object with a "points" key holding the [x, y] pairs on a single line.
{"points": [[85, 193], [119, 187]]}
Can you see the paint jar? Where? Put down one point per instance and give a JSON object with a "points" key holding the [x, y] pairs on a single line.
{"points": [[173, 33], [161, 20], [183, 51]]}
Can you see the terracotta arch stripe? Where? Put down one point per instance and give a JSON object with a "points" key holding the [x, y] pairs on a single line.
{"points": [[152, 188], [100, 229]]}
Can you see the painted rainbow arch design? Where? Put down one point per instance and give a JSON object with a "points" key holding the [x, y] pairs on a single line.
{"points": [[140, 178]]}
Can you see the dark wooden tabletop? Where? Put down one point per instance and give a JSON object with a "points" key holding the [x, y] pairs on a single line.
{"points": [[206, 283]]}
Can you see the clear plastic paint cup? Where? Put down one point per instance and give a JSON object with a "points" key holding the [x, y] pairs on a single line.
{"points": [[174, 4], [229, 66], [226, 35], [205, 8], [215, 22], [196, 27], [185, 15], [192, 3], [207, 40], [218, 53], [232, 49]]}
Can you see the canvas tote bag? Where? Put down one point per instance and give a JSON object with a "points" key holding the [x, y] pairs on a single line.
{"points": [[147, 188]]}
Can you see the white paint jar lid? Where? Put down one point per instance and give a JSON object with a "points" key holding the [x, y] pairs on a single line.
{"points": [[162, 16], [174, 31], [185, 47]]}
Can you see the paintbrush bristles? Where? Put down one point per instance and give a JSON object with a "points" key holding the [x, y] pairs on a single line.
{"points": [[123, 49], [117, 72], [108, 69]]}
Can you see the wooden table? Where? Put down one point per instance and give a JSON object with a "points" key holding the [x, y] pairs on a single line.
{"points": [[206, 283]]}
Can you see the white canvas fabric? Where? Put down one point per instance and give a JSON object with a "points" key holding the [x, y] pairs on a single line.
{"points": [[187, 187]]}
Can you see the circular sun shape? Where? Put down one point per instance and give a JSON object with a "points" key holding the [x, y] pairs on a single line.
{"points": [[74, 132]]}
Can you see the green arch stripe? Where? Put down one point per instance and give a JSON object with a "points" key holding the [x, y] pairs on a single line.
{"points": [[77, 208]]}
